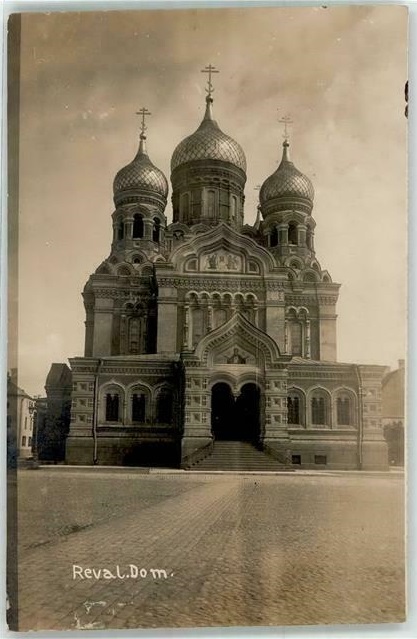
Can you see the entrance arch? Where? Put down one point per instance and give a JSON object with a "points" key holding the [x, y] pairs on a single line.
{"points": [[235, 419]]}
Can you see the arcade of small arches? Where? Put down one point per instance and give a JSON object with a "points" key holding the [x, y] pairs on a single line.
{"points": [[148, 226], [138, 404], [206, 311], [298, 332]]}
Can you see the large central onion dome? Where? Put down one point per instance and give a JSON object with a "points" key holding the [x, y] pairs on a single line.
{"points": [[287, 185], [209, 143], [140, 178]]}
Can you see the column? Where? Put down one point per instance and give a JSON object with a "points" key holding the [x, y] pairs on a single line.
{"points": [[186, 338], [308, 340]]}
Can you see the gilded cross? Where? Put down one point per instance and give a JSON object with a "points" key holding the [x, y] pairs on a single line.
{"points": [[143, 112], [209, 69], [285, 120]]}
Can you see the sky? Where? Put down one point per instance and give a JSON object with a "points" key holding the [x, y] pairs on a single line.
{"points": [[338, 72]]}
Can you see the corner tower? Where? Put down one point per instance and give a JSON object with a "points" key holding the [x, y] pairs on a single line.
{"points": [[208, 173], [140, 196], [286, 202]]}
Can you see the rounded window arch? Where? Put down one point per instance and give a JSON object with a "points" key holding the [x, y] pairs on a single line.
{"points": [[345, 407], [123, 270], [295, 407], [156, 233], [164, 407], [138, 226], [292, 233], [139, 404], [111, 404], [274, 236], [320, 408]]}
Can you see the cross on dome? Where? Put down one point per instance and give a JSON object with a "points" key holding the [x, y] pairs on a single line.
{"points": [[143, 112], [209, 69], [285, 120]]}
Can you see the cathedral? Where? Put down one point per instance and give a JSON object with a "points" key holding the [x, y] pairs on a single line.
{"points": [[206, 330]]}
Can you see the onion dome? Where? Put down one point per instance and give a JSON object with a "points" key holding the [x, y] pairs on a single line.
{"points": [[287, 184], [209, 143], [140, 177]]}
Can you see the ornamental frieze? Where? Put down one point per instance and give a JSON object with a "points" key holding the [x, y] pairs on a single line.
{"points": [[222, 284], [313, 298]]}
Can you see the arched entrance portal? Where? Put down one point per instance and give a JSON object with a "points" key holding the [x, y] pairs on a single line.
{"points": [[235, 419]]}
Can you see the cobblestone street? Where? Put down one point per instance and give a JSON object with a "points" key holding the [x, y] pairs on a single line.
{"points": [[293, 548]]}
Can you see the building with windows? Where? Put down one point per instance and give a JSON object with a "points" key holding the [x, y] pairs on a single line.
{"points": [[20, 416], [207, 329]]}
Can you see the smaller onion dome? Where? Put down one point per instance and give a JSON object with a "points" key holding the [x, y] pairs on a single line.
{"points": [[138, 176], [287, 183], [209, 143]]}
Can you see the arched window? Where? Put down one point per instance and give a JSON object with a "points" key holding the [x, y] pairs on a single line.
{"points": [[293, 406], [233, 208], [344, 410], [185, 207], [135, 335], [156, 234], [211, 204], [274, 236], [292, 233], [197, 324], [138, 407], [164, 406], [112, 407], [296, 335], [137, 226], [319, 409], [120, 231]]}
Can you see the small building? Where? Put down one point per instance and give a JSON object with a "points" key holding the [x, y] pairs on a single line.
{"points": [[53, 415], [20, 416], [393, 399]]}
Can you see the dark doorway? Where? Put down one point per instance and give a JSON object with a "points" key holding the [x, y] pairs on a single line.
{"points": [[235, 419]]}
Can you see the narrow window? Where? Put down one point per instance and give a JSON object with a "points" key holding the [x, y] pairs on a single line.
{"points": [[120, 231], [296, 338], [156, 229], [211, 204], [24, 440], [138, 407], [112, 407], [293, 405], [318, 411], [30, 441], [343, 411], [292, 233], [134, 335], [137, 226], [233, 208], [274, 237]]}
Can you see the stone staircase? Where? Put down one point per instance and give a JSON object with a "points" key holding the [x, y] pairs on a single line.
{"points": [[238, 456]]}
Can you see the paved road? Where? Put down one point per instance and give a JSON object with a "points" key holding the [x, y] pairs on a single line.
{"points": [[237, 550]]}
